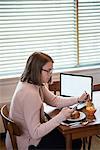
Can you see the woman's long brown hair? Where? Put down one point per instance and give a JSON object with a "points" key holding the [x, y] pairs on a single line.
{"points": [[34, 65]]}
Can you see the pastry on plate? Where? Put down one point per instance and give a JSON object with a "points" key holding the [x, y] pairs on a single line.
{"points": [[75, 114]]}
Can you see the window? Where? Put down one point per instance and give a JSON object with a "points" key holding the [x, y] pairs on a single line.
{"points": [[68, 30], [89, 31]]}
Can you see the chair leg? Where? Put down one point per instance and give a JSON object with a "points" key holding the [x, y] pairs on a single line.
{"points": [[89, 145], [84, 143]]}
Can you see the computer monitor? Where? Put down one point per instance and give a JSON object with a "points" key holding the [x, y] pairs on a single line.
{"points": [[75, 85]]}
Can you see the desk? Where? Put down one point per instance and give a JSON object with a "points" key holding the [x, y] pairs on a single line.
{"points": [[78, 131]]}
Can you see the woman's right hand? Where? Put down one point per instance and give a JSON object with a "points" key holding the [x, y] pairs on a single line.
{"points": [[65, 113]]}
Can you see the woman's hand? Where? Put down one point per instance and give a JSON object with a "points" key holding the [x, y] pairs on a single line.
{"points": [[84, 97], [65, 113]]}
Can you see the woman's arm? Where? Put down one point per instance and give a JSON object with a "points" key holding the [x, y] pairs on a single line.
{"points": [[32, 105], [59, 101]]}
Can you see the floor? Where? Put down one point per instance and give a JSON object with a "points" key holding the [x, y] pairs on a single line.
{"points": [[2, 138], [95, 143]]}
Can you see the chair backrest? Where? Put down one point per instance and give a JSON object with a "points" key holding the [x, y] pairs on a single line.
{"points": [[55, 87], [96, 87], [10, 126]]}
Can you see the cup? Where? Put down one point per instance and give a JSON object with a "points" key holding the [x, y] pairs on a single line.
{"points": [[90, 110]]}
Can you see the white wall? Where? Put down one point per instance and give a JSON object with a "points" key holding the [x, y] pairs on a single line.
{"points": [[7, 86]]}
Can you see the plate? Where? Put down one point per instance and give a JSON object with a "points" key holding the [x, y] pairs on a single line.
{"points": [[80, 106], [82, 116]]}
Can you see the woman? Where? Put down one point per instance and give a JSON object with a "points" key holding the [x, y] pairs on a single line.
{"points": [[27, 107]]}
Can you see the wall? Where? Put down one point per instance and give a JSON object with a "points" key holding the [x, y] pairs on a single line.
{"points": [[7, 86]]}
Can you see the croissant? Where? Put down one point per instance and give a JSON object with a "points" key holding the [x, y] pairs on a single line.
{"points": [[75, 114]]}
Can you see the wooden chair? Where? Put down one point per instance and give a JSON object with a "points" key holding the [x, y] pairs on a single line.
{"points": [[10, 126], [96, 87], [55, 87]]}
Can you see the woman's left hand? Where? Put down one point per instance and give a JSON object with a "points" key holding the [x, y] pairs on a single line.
{"points": [[84, 97]]}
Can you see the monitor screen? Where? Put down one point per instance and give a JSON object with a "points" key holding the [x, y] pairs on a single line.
{"points": [[75, 85]]}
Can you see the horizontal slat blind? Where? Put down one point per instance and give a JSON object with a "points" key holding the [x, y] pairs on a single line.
{"points": [[48, 26], [36, 25], [89, 29]]}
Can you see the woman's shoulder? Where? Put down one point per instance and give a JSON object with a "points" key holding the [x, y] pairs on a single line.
{"points": [[27, 87]]}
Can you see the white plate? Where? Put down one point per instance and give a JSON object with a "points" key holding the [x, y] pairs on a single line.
{"points": [[82, 116], [80, 106]]}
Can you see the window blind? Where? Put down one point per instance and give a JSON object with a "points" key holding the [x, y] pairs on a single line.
{"points": [[89, 32], [68, 30], [36, 25]]}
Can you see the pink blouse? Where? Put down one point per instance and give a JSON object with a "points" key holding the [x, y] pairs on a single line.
{"points": [[27, 110]]}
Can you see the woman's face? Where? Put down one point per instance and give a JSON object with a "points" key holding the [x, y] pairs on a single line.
{"points": [[47, 72]]}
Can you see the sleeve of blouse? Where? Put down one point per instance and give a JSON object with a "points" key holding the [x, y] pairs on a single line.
{"points": [[58, 101], [32, 105]]}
